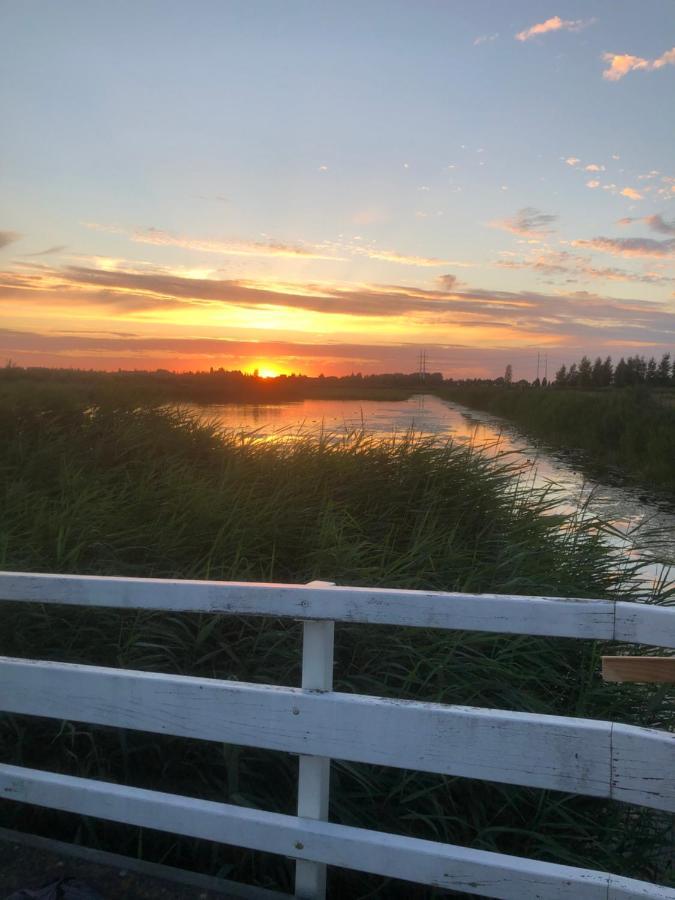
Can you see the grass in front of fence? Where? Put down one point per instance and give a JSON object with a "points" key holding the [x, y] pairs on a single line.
{"points": [[148, 492]]}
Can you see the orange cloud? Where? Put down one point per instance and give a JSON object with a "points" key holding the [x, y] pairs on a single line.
{"points": [[159, 304], [620, 64], [553, 24], [631, 193]]}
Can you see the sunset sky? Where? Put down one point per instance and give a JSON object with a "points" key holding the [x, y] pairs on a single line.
{"points": [[333, 186]]}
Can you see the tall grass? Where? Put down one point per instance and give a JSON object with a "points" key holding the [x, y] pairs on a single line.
{"points": [[152, 492], [632, 429]]}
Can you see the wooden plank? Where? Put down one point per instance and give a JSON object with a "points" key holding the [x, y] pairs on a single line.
{"points": [[498, 745], [645, 623], [444, 866], [318, 641], [507, 614], [639, 669], [643, 766]]}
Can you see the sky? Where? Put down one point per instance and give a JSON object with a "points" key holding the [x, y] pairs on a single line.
{"points": [[334, 186]]}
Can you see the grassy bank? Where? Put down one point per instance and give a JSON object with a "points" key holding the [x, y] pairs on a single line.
{"points": [[153, 493], [631, 429]]}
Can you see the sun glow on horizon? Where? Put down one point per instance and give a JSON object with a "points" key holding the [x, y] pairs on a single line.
{"points": [[267, 370]]}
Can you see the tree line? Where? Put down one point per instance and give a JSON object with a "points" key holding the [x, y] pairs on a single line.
{"points": [[628, 371]]}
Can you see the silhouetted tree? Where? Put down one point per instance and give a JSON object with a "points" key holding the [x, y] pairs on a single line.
{"points": [[621, 373], [597, 374], [663, 374], [607, 372], [585, 372]]}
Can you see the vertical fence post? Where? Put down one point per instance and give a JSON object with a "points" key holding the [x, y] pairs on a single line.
{"points": [[314, 771]]}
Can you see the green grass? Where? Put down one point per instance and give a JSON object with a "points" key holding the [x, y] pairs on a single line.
{"points": [[632, 429], [150, 492]]}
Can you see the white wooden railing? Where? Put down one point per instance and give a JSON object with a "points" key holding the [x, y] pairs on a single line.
{"points": [[594, 758]]}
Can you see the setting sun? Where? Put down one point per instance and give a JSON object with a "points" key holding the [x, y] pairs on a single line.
{"points": [[267, 371]]}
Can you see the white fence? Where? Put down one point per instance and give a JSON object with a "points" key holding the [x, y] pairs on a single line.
{"points": [[594, 758]]}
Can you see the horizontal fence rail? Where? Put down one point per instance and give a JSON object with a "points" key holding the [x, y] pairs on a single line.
{"points": [[636, 623], [583, 756], [394, 856]]}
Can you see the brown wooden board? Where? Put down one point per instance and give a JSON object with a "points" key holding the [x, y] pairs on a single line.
{"points": [[639, 669]]}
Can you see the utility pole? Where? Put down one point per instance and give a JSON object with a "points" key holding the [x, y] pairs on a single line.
{"points": [[538, 358], [423, 365], [546, 367]]}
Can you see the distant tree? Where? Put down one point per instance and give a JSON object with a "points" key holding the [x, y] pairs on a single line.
{"points": [[573, 376], [651, 371], [621, 373], [561, 376], [585, 372], [607, 372], [508, 374], [597, 375], [663, 374]]}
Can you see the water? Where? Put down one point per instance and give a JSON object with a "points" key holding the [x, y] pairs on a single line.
{"points": [[643, 526]]}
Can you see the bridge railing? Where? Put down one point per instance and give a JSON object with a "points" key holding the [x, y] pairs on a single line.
{"points": [[588, 757]]}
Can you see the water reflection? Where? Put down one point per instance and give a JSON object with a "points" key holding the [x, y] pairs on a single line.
{"points": [[644, 527]]}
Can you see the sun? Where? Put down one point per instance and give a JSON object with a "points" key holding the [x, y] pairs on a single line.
{"points": [[266, 371]]}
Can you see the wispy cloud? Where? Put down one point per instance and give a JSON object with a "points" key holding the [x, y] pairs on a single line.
{"points": [[631, 193], [8, 237], [553, 24], [656, 222], [573, 267], [629, 246], [593, 183], [528, 222], [573, 161], [620, 64], [404, 259], [329, 250], [448, 282], [485, 39], [57, 248], [160, 238]]}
